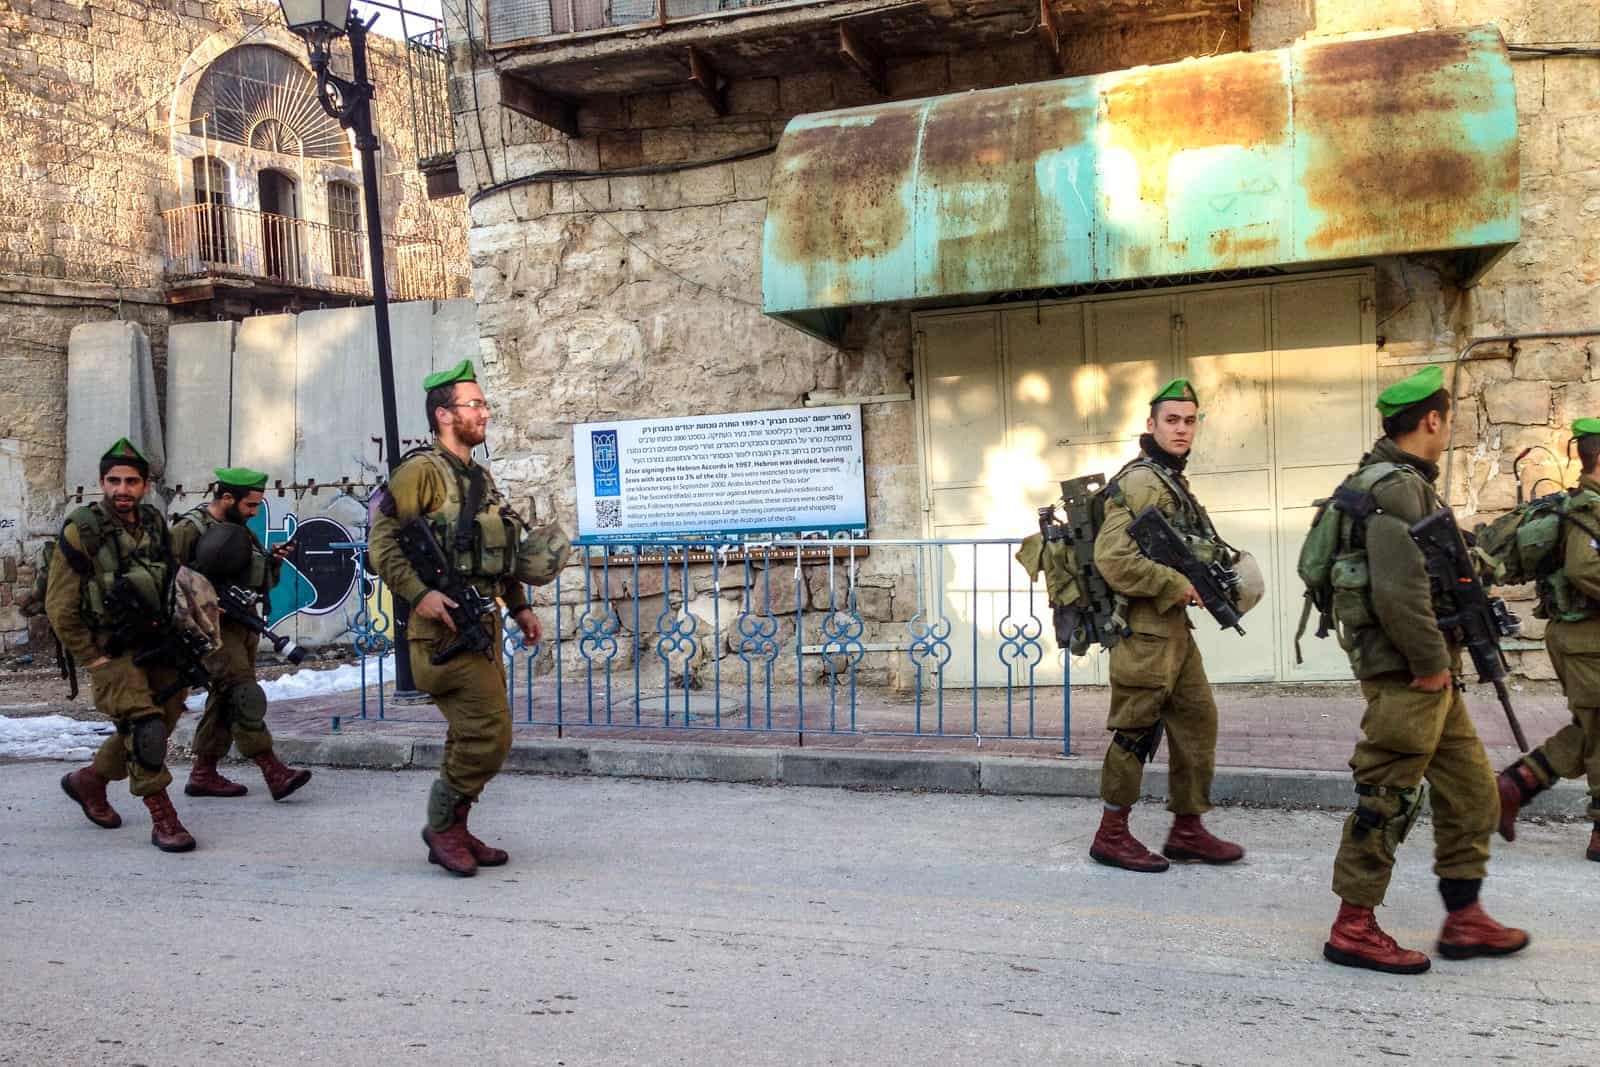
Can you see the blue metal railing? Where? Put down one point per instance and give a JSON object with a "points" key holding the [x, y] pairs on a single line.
{"points": [[893, 635]]}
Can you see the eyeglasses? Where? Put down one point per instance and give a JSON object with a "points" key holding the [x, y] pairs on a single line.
{"points": [[475, 405]]}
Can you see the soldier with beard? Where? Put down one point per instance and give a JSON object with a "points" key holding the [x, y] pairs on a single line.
{"points": [[1158, 683], [490, 546], [236, 708]]}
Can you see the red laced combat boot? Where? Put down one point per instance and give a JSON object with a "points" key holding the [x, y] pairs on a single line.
{"points": [[88, 789], [1468, 932], [1594, 844], [281, 778], [166, 832], [206, 781], [486, 855], [1357, 940], [1517, 786], [1114, 846], [1190, 840]]}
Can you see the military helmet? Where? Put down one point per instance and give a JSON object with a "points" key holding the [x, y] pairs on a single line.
{"points": [[223, 552], [541, 555], [1252, 586]]}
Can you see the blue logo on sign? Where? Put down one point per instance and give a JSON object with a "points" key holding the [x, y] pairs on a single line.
{"points": [[603, 450]]}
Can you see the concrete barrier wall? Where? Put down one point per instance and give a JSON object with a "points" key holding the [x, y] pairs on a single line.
{"points": [[298, 396], [111, 393]]}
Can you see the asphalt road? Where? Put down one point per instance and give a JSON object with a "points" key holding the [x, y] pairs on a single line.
{"points": [[675, 923]]}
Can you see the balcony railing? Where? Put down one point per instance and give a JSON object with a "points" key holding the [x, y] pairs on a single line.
{"points": [[220, 242], [428, 71], [513, 21]]}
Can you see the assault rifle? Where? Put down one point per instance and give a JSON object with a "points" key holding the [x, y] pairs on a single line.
{"points": [[1213, 583], [422, 551], [155, 641], [1468, 615], [243, 607]]}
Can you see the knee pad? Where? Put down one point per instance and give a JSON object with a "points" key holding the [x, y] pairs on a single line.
{"points": [[1142, 744], [149, 742], [247, 705]]}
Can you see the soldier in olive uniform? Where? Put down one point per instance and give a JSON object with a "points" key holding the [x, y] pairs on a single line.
{"points": [[1157, 679], [114, 549], [1570, 599], [1415, 726], [236, 708], [493, 549]]}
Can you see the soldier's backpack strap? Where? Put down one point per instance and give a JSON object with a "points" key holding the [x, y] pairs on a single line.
{"points": [[472, 501], [1179, 491]]}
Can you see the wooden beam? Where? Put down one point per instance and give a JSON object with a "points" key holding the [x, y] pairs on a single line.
{"points": [[1050, 34], [443, 182], [538, 105], [862, 56], [706, 78], [1244, 25]]}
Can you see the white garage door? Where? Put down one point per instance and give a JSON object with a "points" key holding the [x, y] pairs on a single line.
{"points": [[1014, 400]]}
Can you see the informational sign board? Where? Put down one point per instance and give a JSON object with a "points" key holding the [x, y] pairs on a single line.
{"points": [[752, 473]]}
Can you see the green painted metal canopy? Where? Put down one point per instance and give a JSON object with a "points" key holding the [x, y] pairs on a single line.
{"points": [[1318, 153]]}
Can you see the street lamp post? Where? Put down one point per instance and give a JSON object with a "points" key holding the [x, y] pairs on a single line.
{"points": [[349, 101]]}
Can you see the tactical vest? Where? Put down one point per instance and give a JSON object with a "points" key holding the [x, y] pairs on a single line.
{"points": [[257, 575], [1191, 521], [485, 545], [110, 553]]}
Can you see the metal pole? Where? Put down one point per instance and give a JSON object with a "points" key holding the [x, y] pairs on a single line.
{"points": [[367, 145]]}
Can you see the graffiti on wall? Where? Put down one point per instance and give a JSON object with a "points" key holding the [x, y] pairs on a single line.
{"points": [[324, 570]]}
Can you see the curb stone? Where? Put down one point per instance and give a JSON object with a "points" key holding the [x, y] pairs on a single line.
{"points": [[937, 772]]}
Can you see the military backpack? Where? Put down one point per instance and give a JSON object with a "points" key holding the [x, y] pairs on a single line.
{"points": [[1525, 545]]}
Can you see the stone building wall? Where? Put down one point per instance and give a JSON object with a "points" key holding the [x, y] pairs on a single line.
{"points": [[85, 94], [640, 296]]}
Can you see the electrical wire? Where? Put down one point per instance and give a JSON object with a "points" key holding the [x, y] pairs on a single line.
{"points": [[568, 175]]}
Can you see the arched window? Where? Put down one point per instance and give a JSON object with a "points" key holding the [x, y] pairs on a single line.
{"points": [[344, 229], [258, 96], [212, 231]]}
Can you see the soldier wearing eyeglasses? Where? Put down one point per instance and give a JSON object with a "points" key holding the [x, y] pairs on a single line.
{"points": [[496, 551]]}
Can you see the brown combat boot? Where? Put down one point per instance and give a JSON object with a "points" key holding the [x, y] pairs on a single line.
{"points": [[450, 849], [85, 786], [1468, 931], [486, 855], [281, 778], [1356, 940], [166, 832], [1114, 846], [206, 781], [1517, 786], [1190, 840], [1594, 844]]}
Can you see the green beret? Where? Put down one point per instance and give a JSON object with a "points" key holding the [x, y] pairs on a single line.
{"points": [[1177, 389], [1584, 427], [124, 450], [461, 372], [240, 477], [1402, 394]]}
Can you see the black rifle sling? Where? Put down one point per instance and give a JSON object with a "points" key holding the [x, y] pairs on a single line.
{"points": [[466, 522]]}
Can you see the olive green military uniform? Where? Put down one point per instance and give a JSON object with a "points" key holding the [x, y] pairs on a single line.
{"points": [[236, 707], [123, 692], [1389, 630], [1157, 677], [470, 688], [1574, 646]]}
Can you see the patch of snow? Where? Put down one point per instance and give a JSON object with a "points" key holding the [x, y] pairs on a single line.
{"points": [[50, 737], [309, 682]]}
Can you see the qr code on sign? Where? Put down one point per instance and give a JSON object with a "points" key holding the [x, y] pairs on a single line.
{"points": [[608, 514]]}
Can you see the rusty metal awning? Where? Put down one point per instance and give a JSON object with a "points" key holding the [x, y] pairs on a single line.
{"points": [[1319, 153]]}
